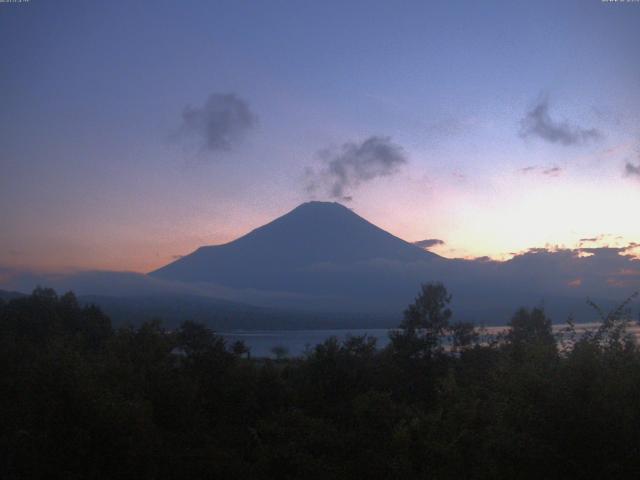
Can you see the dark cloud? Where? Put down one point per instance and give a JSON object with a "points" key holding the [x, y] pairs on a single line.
{"points": [[632, 170], [220, 123], [604, 250], [535, 250], [430, 242], [538, 123], [602, 238], [354, 163], [601, 270]]}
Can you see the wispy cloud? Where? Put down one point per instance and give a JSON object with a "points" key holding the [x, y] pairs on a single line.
{"points": [[550, 172], [354, 163], [591, 239], [538, 123], [430, 242], [220, 123]]}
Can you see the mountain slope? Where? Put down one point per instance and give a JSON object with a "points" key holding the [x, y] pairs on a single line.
{"points": [[10, 295], [295, 252]]}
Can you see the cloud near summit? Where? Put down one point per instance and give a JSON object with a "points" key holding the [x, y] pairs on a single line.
{"points": [[220, 124], [428, 243], [354, 163]]}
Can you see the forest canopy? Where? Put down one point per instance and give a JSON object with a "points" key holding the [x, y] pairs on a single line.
{"points": [[82, 399]]}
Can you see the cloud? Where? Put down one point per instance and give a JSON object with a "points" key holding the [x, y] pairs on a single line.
{"points": [[552, 268], [604, 250], [552, 172], [605, 239], [430, 242], [538, 123], [355, 163], [220, 123], [632, 170]]}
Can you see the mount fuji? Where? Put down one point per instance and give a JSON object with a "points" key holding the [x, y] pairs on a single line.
{"points": [[323, 264], [302, 251]]}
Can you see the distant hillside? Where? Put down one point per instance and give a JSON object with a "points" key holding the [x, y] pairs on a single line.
{"points": [[9, 295], [223, 315]]}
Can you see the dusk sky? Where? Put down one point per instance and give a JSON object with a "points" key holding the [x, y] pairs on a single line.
{"points": [[134, 132]]}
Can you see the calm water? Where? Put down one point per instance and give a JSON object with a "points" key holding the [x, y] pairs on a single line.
{"points": [[296, 342]]}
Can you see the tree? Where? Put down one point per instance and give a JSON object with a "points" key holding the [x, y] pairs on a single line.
{"points": [[425, 322], [530, 327], [239, 348], [280, 352], [197, 340], [463, 335]]}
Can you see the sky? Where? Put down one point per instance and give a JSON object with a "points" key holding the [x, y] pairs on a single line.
{"points": [[135, 132]]}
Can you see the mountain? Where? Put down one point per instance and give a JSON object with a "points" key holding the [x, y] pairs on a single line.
{"points": [[321, 264], [295, 253], [322, 257], [10, 295], [221, 315]]}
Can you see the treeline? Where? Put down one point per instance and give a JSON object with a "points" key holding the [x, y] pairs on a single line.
{"points": [[81, 399]]}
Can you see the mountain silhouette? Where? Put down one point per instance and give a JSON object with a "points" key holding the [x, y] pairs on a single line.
{"points": [[322, 263], [295, 252], [322, 256]]}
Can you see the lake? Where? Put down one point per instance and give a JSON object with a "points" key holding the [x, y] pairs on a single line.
{"points": [[296, 342]]}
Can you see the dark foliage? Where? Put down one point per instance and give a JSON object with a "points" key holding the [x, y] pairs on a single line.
{"points": [[81, 399]]}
